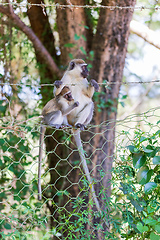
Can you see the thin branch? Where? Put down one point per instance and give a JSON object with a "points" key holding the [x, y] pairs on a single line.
{"points": [[10, 7], [144, 32], [38, 46]]}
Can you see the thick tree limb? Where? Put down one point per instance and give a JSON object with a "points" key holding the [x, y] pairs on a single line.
{"points": [[38, 46], [144, 32]]}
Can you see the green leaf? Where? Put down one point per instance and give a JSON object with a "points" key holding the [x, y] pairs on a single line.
{"points": [[89, 66], [70, 45], [157, 227], [7, 226], [144, 175], [85, 39], [1, 163], [86, 27], [83, 51], [156, 160], [150, 186], [150, 221], [158, 132], [139, 160], [142, 139], [150, 209], [7, 159], [157, 179], [122, 104], [132, 148], [142, 228], [91, 53], [154, 236], [150, 174], [3, 108], [1, 141], [136, 205], [124, 96], [145, 214], [70, 55], [76, 37], [147, 150], [126, 188]]}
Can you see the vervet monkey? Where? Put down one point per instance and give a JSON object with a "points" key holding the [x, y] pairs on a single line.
{"points": [[54, 114], [75, 78], [82, 91]]}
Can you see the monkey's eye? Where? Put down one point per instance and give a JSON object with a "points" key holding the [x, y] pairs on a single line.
{"points": [[84, 68], [72, 64], [85, 71]]}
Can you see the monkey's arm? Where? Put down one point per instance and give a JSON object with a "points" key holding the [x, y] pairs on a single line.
{"points": [[89, 91], [70, 108], [59, 84], [84, 117]]}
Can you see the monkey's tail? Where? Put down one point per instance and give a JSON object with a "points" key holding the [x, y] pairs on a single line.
{"points": [[41, 139], [77, 137]]}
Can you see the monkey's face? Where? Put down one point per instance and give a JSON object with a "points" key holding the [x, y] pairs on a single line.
{"points": [[85, 71], [78, 68], [68, 96]]}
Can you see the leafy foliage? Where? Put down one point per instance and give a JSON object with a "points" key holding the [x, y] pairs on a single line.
{"points": [[138, 175]]}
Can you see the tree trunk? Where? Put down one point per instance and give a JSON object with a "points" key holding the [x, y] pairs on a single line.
{"points": [[111, 41], [72, 32]]}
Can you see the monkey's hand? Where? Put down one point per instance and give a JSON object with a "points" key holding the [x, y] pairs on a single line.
{"points": [[94, 84], [81, 126], [58, 83], [76, 104]]}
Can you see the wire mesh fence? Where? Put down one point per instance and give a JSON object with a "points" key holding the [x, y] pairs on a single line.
{"points": [[67, 210]]}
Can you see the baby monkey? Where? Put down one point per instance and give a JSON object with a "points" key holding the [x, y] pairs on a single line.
{"points": [[54, 114]]}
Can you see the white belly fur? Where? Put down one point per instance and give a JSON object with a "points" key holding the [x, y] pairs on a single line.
{"points": [[81, 98]]}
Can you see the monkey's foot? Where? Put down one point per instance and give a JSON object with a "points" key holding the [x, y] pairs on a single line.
{"points": [[58, 83], [57, 126], [81, 126], [65, 126], [94, 84]]}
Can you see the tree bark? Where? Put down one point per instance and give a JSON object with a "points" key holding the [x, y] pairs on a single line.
{"points": [[71, 24], [43, 29], [111, 40]]}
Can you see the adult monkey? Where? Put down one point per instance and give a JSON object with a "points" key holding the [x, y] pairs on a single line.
{"points": [[75, 78], [54, 114], [82, 91]]}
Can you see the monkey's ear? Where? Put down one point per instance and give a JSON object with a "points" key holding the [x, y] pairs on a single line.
{"points": [[71, 66]]}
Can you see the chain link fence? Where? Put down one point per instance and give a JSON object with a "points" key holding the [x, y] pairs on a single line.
{"points": [[67, 203]]}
